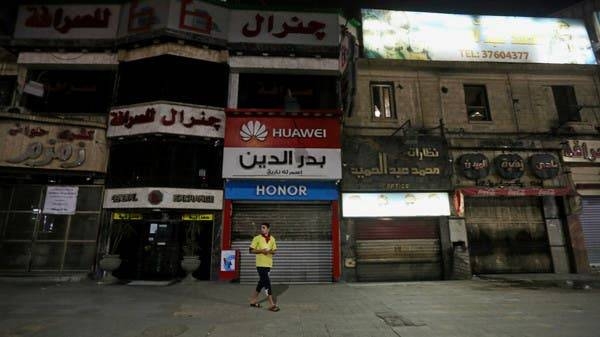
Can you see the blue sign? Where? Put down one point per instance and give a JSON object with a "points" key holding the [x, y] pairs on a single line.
{"points": [[272, 190]]}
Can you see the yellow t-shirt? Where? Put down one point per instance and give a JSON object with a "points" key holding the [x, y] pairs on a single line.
{"points": [[259, 242]]}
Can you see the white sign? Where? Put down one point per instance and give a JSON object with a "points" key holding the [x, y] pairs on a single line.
{"points": [[286, 163], [303, 28], [395, 204], [61, 200], [228, 262], [67, 22], [151, 197], [475, 38], [167, 118]]}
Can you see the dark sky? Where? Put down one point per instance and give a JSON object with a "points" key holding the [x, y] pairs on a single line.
{"points": [[490, 7]]}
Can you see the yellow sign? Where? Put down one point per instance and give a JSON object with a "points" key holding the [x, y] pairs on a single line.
{"points": [[127, 216], [197, 217]]}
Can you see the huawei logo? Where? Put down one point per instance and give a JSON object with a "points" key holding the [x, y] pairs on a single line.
{"points": [[253, 129]]}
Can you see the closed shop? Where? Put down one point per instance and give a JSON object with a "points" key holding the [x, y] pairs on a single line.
{"points": [[35, 238], [398, 250], [303, 234], [507, 235], [394, 208], [590, 222]]}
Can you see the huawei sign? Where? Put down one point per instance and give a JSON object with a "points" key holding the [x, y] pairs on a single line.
{"points": [[253, 129], [257, 130]]}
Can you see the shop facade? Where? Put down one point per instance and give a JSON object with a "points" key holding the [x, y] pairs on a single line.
{"points": [[581, 157], [283, 170], [511, 202], [50, 194], [395, 208]]}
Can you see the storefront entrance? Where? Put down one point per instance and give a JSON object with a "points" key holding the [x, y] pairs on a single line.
{"points": [[155, 251]]}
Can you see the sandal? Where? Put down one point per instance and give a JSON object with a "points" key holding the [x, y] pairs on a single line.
{"points": [[274, 308], [255, 305]]}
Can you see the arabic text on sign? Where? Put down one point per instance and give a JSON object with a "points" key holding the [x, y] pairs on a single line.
{"points": [[36, 155], [42, 18], [580, 150], [384, 169], [126, 119], [295, 27], [248, 161]]}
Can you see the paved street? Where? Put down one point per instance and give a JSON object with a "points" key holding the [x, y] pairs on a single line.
{"points": [[452, 308]]}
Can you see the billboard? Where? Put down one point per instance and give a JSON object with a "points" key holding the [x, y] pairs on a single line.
{"points": [[474, 38]]}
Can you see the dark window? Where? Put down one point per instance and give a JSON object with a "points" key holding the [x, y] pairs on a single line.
{"points": [[478, 108], [7, 89], [382, 101], [168, 163], [289, 92], [71, 91], [173, 78], [566, 103]]}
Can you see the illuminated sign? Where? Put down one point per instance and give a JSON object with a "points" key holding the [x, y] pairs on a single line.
{"points": [[197, 217], [450, 37], [395, 204]]}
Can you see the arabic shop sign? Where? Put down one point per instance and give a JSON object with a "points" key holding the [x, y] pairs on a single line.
{"points": [[192, 16], [166, 118], [49, 146], [509, 166], [544, 165], [283, 163], [278, 132], [474, 166], [67, 22], [273, 190], [581, 151], [149, 197], [252, 26], [474, 38], [387, 164]]}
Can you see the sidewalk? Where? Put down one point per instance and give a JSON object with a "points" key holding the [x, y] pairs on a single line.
{"points": [[576, 281], [448, 309]]}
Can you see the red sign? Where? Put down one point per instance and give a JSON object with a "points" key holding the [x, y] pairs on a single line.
{"points": [[282, 132], [514, 192]]}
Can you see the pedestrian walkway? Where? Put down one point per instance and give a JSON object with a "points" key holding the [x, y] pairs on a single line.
{"points": [[452, 308]]}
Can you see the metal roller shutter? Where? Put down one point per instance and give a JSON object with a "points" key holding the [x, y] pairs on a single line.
{"points": [[398, 250], [590, 221], [507, 235], [303, 233]]}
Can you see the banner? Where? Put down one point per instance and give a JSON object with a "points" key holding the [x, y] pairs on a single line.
{"points": [[474, 38], [67, 21], [271, 190], [166, 118], [282, 132], [282, 163]]}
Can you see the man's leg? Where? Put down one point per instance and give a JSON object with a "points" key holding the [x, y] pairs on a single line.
{"points": [[267, 285], [259, 286]]}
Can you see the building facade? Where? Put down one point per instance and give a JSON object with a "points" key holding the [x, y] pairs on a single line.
{"points": [[504, 113]]}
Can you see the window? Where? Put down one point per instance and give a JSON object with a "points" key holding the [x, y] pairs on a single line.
{"points": [[476, 100], [566, 104], [382, 101], [7, 88]]}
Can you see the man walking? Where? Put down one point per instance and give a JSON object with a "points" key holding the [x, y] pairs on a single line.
{"points": [[264, 247]]}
